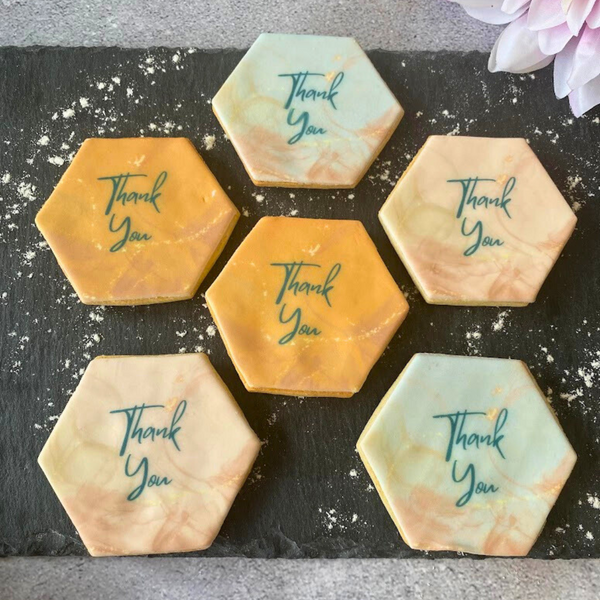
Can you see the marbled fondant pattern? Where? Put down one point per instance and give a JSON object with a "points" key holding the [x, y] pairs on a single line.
{"points": [[477, 221], [149, 454], [137, 220], [306, 111], [467, 455], [306, 307]]}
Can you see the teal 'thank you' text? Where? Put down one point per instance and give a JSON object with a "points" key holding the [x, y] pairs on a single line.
{"points": [[304, 90], [122, 195], [469, 200], [141, 433], [464, 438], [295, 284]]}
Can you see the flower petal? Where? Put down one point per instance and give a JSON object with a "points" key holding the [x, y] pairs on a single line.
{"points": [[495, 15], [563, 65], [577, 13], [477, 3], [540, 65], [586, 97], [517, 50], [544, 14], [586, 60], [593, 19], [553, 40], [512, 6], [535, 67]]}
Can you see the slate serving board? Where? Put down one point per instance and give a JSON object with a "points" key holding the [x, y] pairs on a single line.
{"points": [[308, 495]]}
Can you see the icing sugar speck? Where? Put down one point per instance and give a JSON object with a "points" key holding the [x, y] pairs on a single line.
{"points": [[209, 141], [593, 501]]}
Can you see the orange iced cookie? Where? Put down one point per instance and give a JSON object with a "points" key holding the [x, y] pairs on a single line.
{"points": [[306, 307], [137, 220]]}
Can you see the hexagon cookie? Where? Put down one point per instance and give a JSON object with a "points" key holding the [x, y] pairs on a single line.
{"points": [[467, 455], [306, 307], [306, 111], [149, 454], [477, 221], [137, 220]]}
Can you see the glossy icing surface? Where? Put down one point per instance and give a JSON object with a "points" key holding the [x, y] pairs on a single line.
{"points": [[306, 111], [477, 221], [149, 454], [306, 307], [467, 455], [137, 220]]}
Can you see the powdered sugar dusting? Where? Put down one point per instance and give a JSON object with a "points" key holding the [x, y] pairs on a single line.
{"points": [[209, 141]]}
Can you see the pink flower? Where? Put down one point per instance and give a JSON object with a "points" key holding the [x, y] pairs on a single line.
{"points": [[540, 31]]}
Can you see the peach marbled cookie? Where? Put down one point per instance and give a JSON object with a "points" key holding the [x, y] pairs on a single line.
{"points": [[306, 111], [477, 221], [137, 220], [306, 307], [467, 455], [149, 454]]}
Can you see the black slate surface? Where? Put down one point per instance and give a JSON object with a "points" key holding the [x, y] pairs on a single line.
{"points": [[309, 495]]}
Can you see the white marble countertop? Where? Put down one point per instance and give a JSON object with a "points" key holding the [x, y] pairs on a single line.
{"points": [[388, 24]]}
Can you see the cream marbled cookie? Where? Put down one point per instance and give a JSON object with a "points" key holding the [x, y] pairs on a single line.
{"points": [[149, 454], [137, 220], [306, 111], [477, 221], [306, 307], [467, 455]]}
